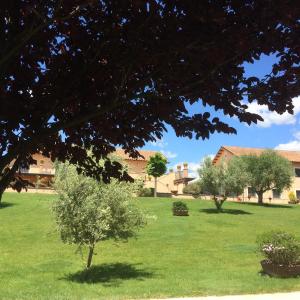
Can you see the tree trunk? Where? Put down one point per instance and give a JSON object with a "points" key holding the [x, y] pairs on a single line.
{"points": [[91, 252], [155, 187], [7, 174], [1, 193], [219, 203], [260, 197]]}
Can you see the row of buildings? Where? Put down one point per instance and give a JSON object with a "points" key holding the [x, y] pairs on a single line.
{"points": [[41, 174], [172, 183]]}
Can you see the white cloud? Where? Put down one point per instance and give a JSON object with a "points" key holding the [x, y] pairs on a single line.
{"points": [[160, 143], [297, 135], [168, 154], [273, 118], [293, 145]]}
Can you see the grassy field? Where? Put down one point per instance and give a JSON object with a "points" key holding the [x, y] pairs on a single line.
{"points": [[203, 254]]}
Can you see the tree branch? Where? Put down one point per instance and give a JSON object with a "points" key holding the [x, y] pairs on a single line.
{"points": [[37, 29]]}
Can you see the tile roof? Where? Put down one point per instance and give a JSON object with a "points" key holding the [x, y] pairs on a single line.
{"points": [[145, 153], [293, 156]]}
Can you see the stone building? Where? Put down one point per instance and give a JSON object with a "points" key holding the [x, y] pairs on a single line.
{"points": [[41, 174], [227, 152]]}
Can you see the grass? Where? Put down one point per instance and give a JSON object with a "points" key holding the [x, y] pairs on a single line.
{"points": [[204, 254]]}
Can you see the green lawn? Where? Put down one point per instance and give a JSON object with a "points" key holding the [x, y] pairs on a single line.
{"points": [[203, 254]]}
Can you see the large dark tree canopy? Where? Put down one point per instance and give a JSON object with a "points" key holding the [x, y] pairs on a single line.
{"points": [[77, 74]]}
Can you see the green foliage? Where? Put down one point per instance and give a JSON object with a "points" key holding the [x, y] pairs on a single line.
{"points": [[156, 165], [193, 189], [292, 198], [88, 212], [146, 192], [222, 180], [279, 247], [179, 205], [267, 171], [236, 178]]}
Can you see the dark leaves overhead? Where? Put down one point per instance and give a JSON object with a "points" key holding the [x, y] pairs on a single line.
{"points": [[81, 74]]}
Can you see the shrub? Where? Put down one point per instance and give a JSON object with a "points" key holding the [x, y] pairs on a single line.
{"points": [[146, 192], [179, 205], [192, 189], [292, 198], [279, 247]]}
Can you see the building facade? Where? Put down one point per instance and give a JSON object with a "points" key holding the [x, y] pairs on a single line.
{"points": [[225, 153], [41, 174]]}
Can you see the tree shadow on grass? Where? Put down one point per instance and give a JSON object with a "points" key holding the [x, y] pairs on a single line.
{"points": [[266, 205], [6, 204], [110, 274], [225, 211]]}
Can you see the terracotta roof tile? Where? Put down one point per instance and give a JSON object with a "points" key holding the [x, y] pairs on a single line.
{"points": [[145, 153], [293, 156]]}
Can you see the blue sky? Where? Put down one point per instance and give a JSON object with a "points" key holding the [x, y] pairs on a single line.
{"points": [[277, 131]]}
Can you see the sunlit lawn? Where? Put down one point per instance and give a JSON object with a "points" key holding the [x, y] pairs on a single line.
{"points": [[203, 254]]}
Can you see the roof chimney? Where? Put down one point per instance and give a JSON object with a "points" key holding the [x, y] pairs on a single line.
{"points": [[185, 172], [178, 173]]}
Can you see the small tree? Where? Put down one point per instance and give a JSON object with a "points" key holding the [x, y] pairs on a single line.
{"points": [[267, 171], [221, 180], [88, 211], [212, 181], [156, 167]]}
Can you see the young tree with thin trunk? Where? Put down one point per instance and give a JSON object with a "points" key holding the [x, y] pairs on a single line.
{"points": [[266, 172], [88, 212], [222, 180], [156, 167]]}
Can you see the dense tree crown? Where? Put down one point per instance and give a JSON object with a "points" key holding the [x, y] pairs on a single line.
{"points": [[266, 172], [76, 74], [156, 167]]}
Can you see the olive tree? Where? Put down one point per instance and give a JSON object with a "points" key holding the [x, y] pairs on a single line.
{"points": [[156, 167], [221, 180], [88, 211], [267, 171]]}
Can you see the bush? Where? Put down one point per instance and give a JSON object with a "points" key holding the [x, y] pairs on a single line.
{"points": [[192, 189], [279, 247], [146, 192], [292, 198], [179, 205]]}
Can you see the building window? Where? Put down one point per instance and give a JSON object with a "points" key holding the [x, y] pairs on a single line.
{"points": [[297, 172], [41, 162], [276, 194], [251, 192], [298, 194]]}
